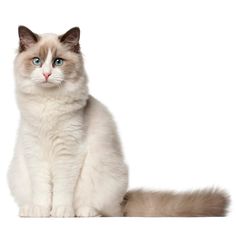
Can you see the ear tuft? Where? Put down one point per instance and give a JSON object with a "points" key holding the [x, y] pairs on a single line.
{"points": [[71, 39], [27, 38]]}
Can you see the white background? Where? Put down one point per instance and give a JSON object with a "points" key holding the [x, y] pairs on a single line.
{"points": [[166, 70]]}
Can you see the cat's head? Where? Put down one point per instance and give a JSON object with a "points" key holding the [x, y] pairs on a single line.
{"points": [[49, 62]]}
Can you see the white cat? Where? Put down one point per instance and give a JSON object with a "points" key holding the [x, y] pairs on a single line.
{"points": [[68, 159]]}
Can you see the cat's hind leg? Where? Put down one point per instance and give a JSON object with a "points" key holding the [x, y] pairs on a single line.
{"points": [[100, 190]]}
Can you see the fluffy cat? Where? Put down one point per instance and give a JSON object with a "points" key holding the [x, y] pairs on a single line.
{"points": [[68, 159]]}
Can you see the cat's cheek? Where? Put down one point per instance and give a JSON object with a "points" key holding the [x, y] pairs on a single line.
{"points": [[37, 75], [58, 73]]}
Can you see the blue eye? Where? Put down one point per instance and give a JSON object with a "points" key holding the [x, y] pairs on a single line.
{"points": [[36, 61], [58, 62]]}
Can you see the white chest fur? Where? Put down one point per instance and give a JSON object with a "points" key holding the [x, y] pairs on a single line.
{"points": [[52, 127]]}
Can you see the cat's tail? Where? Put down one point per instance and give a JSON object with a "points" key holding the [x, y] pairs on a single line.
{"points": [[208, 202]]}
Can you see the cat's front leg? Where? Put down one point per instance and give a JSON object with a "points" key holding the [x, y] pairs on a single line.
{"points": [[66, 171], [40, 205], [29, 176]]}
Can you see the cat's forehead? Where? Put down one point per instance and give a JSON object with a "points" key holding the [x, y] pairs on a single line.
{"points": [[48, 40], [48, 43]]}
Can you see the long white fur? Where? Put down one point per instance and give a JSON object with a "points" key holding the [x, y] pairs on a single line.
{"points": [[68, 159]]}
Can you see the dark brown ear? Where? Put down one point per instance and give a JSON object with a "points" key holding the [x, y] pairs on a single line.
{"points": [[27, 38], [71, 39]]}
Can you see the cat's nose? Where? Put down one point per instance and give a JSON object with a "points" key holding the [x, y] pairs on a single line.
{"points": [[46, 75]]}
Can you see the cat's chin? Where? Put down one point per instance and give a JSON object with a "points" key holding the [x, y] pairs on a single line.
{"points": [[47, 85]]}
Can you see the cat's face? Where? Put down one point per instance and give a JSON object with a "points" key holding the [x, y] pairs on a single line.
{"points": [[48, 61]]}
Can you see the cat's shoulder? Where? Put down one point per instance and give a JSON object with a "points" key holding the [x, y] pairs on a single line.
{"points": [[94, 105]]}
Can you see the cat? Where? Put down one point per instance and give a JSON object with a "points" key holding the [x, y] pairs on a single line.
{"points": [[68, 158]]}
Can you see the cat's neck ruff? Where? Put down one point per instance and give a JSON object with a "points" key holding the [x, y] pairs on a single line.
{"points": [[53, 103]]}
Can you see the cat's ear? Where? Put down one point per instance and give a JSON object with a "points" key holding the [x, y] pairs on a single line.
{"points": [[71, 39], [27, 38]]}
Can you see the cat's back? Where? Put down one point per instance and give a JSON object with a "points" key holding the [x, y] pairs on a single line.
{"points": [[97, 113]]}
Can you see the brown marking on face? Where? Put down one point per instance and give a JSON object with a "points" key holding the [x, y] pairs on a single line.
{"points": [[71, 66], [44, 49], [28, 65]]}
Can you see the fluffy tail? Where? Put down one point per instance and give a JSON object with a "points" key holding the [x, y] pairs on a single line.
{"points": [[210, 202]]}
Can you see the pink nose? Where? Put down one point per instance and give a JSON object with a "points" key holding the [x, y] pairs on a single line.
{"points": [[46, 75]]}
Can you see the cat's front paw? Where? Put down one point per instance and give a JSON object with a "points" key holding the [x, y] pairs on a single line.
{"points": [[34, 211], [62, 211], [87, 212]]}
